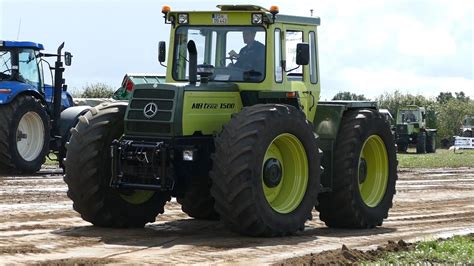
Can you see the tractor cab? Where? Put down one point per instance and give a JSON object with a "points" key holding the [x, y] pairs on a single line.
{"points": [[19, 63], [21, 69], [467, 127], [413, 115], [266, 56]]}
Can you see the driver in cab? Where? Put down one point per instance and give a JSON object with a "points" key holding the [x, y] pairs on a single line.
{"points": [[252, 55]]}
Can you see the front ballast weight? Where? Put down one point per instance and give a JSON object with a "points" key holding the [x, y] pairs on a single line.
{"points": [[141, 165]]}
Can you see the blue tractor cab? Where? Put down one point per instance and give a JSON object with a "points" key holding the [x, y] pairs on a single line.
{"points": [[26, 74], [30, 110]]}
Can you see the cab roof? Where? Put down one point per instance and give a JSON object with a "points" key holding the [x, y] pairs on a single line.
{"points": [[302, 20], [21, 44]]}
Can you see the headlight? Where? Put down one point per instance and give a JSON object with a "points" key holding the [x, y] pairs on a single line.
{"points": [[183, 18], [257, 18], [188, 155]]}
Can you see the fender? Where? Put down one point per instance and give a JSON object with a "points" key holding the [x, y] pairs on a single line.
{"points": [[66, 98], [70, 117], [16, 88]]}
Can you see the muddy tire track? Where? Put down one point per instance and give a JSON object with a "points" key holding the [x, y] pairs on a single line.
{"points": [[38, 225]]}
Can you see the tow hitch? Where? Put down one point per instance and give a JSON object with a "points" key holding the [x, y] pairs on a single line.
{"points": [[141, 165]]}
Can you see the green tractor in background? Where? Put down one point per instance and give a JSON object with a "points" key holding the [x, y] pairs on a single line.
{"points": [[411, 130], [467, 127], [236, 140], [131, 80]]}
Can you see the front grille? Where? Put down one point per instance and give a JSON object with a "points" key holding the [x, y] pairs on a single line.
{"points": [[402, 129], [160, 116], [161, 122], [154, 93], [162, 105]]}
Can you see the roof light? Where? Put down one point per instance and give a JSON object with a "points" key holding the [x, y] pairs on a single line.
{"points": [[274, 10], [183, 18], [165, 9], [257, 18]]}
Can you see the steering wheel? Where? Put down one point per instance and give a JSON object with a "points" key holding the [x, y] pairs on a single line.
{"points": [[231, 58], [5, 76]]}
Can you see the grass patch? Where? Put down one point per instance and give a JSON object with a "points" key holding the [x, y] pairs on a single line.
{"points": [[457, 250], [440, 159]]}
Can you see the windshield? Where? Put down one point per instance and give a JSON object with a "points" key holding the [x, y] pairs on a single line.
{"points": [[5, 65], [409, 116], [469, 121], [236, 53]]}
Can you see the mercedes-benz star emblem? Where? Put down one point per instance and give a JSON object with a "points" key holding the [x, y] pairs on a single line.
{"points": [[150, 110]]}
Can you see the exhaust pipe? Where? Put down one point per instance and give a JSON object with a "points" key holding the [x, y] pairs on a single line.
{"points": [[192, 62], [58, 88]]}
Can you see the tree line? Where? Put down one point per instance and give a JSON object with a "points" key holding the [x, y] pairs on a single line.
{"points": [[444, 112]]}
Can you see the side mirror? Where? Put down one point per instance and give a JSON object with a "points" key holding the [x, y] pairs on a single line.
{"points": [[67, 58], [161, 52], [302, 54]]}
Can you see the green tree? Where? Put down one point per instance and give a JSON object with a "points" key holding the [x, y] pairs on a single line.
{"points": [[461, 96], [348, 96], [97, 90], [444, 97]]}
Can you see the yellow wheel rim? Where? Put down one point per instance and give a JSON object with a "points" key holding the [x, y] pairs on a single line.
{"points": [[373, 171], [285, 173]]}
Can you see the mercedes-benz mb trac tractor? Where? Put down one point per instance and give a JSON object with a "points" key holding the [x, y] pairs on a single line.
{"points": [[411, 130], [236, 133], [35, 117]]}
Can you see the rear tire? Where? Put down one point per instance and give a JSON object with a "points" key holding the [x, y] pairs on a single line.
{"points": [[24, 135], [365, 173], [88, 171], [421, 143], [266, 171], [431, 142]]}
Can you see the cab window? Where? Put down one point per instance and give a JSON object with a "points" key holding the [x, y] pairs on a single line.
{"points": [[28, 68], [292, 39]]}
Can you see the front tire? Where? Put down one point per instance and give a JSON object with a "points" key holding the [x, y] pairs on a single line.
{"points": [[431, 142], [266, 171], [421, 143], [365, 173], [88, 171], [402, 147], [24, 135]]}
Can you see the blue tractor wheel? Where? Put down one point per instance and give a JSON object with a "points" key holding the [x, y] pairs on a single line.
{"points": [[24, 135]]}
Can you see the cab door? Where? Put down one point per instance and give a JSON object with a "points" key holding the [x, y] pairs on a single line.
{"points": [[303, 79]]}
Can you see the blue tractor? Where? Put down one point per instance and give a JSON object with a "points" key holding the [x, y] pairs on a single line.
{"points": [[35, 118]]}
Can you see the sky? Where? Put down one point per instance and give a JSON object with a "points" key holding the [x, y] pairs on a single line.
{"points": [[366, 47]]}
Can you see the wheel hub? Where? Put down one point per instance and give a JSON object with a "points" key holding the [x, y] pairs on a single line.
{"points": [[21, 135], [362, 170], [272, 173]]}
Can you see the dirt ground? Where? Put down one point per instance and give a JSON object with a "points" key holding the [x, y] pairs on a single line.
{"points": [[38, 225]]}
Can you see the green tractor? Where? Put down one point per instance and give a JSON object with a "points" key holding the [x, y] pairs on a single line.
{"points": [[411, 130], [239, 137], [467, 127]]}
